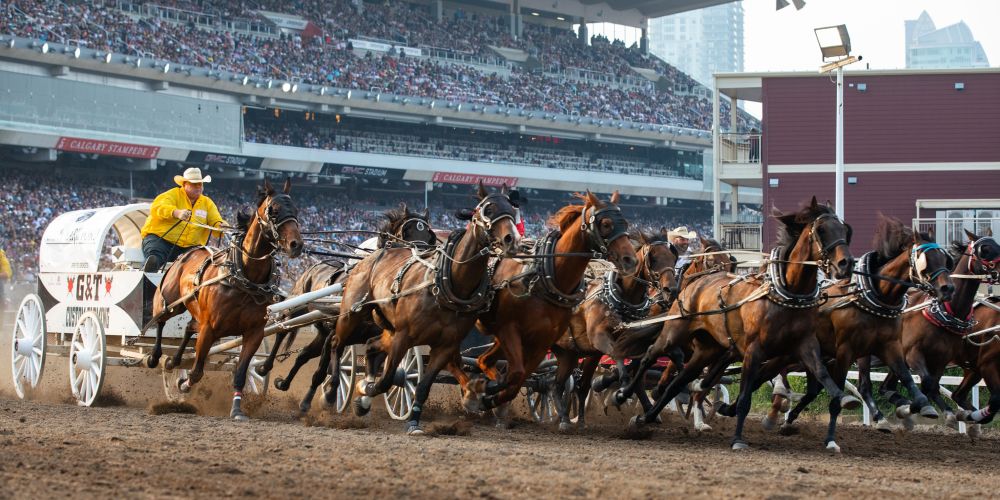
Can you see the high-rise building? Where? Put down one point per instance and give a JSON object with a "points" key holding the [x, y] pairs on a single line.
{"points": [[701, 42], [949, 47]]}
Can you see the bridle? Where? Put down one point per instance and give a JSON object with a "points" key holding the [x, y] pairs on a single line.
{"points": [[990, 267], [269, 227], [420, 224], [480, 220], [654, 276], [918, 263], [600, 244], [824, 250]]}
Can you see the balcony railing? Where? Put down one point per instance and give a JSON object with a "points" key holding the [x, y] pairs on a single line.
{"points": [[742, 236], [739, 148], [949, 230]]}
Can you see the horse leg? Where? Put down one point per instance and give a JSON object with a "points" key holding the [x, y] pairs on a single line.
{"points": [[250, 344], [865, 388], [753, 359], [567, 362], [583, 388], [652, 353], [893, 357], [206, 337], [178, 356], [516, 375], [321, 343], [991, 374], [373, 357], [701, 358], [268, 364], [397, 349], [438, 359], [315, 348], [929, 383], [154, 357], [809, 355]]}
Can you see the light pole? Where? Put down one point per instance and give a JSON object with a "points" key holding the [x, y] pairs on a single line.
{"points": [[835, 42]]}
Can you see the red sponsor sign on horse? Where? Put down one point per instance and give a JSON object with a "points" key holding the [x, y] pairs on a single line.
{"points": [[78, 145], [488, 180]]}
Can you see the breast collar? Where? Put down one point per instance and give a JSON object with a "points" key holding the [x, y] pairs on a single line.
{"points": [[611, 297], [869, 298], [778, 291], [544, 275]]}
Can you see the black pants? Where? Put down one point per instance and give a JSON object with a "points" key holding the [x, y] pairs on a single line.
{"points": [[163, 251]]}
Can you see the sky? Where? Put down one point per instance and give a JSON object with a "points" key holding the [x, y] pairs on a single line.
{"points": [[784, 40]]}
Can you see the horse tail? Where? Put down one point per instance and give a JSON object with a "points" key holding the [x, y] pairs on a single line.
{"points": [[633, 343]]}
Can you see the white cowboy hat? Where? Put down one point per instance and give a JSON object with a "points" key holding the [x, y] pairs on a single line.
{"points": [[192, 175], [682, 232]]}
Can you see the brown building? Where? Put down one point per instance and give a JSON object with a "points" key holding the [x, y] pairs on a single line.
{"points": [[911, 136]]}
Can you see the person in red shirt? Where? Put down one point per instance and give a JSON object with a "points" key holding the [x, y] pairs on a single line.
{"points": [[515, 201]]}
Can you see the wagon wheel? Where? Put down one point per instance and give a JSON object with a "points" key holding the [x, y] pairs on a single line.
{"points": [[28, 344], [399, 398], [346, 388], [87, 359]]}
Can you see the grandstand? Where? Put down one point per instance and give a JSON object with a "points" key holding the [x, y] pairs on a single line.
{"points": [[365, 103]]}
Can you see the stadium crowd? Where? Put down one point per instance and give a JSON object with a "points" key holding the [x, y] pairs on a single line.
{"points": [[375, 136], [330, 59], [33, 199]]}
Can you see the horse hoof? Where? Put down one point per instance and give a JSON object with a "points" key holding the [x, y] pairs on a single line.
{"points": [[832, 447], [262, 370], [168, 365], [788, 429], [183, 385], [768, 423], [928, 412], [413, 429], [280, 384], [360, 408], [950, 420], [472, 405], [973, 430], [636, 422], [786, 404], [883, 426], [239, 417], [152, 361], [330, 398], [902, 411], [702, 427], [565, 427], [740, 445], [304, 409], [850, 403], [908, 423], [619, 398]]}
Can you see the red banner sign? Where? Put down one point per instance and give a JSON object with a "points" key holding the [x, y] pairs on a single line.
{"points": [[91, 146], [488, 180]]}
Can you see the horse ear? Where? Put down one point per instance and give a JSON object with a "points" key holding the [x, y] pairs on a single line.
{"points": [[972, 236], [481, 191], [427, 213], [287, 188], [405, 209], [813, 204], [592, 200], [787, 220], [504, 189], [268, 188], [615, 197]]}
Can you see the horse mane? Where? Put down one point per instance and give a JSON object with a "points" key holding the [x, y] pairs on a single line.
{"points": [[713, 243], [394, 216], [243, 218], [570, 213], [792, 225], [892, 237]]}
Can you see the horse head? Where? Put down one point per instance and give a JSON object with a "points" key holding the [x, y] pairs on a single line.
{"points": [[492, 219], [984, 256], [657, 263], [828, 237], [278, 218], [405, 225], [606, 231]]}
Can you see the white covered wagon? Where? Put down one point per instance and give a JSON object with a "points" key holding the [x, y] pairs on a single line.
{"points": [[92, 299]]}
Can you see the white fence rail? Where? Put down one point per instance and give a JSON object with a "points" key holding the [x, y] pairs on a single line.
{"points": [[739, 148], [947, 230]]}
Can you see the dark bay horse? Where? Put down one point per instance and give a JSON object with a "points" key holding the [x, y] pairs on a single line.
{"points": [[865, 318], [934, 336], [240, 283], [429, 298], [985, 367], [766, 316], [535, 300], [401, 227], [612, 300]]}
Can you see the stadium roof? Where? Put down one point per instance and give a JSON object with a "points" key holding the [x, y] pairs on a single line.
{"points": [[625, 12]]}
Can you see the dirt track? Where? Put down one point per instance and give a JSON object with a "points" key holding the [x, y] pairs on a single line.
{"points": [[49, 448]]}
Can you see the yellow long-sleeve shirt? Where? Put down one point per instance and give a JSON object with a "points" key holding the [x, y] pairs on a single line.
{"points": [[161, 221], [5, 272]]}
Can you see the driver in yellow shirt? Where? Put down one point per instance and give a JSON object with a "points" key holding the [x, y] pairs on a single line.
{"points": [[167, 232], [6, 275]]}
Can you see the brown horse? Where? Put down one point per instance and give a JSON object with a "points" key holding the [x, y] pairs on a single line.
{"points": [[227, 292], [934, 336], [765, 316], [612, 300], [402, 227], [865, 319], [986, 366], [426, 299], [535, 300]]}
